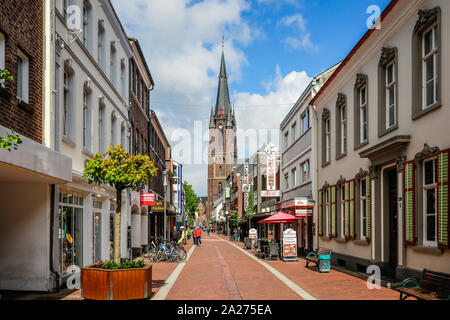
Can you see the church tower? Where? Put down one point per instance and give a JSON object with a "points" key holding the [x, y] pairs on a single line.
{"points": [[222, 151]]}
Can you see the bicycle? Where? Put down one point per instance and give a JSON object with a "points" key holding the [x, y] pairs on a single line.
{"points": [[172, 252]]}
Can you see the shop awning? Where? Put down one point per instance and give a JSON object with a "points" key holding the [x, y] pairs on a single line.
{"points": [[279, 217]]}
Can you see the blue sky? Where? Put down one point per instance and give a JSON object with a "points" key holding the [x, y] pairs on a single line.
{"points": [[272, 48]]}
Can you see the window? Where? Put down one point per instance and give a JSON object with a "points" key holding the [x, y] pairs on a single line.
{"points": [[66, 105], [220, 188], [294, 131], [70, 228], [294, 177], [86, 25], [391, 85], [286, 180], [429, 202], [363, 207], [123, 137], [305, 121], [85, 119], [286, 139], [342, 210], [305, 171], [64, 8], [343, 129], [101, 128], [327, 213], [113, 128], [426, 58], [123, 77], [101, 46], [327, 140], [112, 64], [22, 76], [2, 54], [363, 114], [429, 67]]}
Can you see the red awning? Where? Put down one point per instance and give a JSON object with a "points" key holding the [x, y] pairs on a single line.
{"points": [[279, 217]]}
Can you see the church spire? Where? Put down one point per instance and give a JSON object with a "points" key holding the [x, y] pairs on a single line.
{"points": [[223, 105]]}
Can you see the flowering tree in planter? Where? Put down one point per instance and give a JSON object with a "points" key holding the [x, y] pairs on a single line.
{"points": [[120, 170]]}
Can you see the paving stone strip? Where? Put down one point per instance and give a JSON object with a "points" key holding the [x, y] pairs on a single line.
{"points": [[232, 288], [297, 289]]}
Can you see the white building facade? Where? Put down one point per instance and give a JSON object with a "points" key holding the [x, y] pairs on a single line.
{"points": [[91, 107]]}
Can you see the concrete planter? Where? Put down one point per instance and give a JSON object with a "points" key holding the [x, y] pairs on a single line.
{"points": [[121, 284]]}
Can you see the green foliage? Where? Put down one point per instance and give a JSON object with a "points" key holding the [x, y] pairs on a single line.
{"points": [[251, 205], [12, 140], [4, 75], [119, 169], [235, 219], [126, 264], [191, 200]]}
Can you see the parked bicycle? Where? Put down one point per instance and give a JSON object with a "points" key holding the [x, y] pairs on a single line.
{"points": [[168, 251]]}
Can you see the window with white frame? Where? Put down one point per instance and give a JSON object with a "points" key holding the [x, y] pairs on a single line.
{"points": [[363, 207], [123, 136], [22, 76], [363, 114], [86, 25], [342, 209], [327, 140], [2, 56], [286, 180], [305, 171], [64, 8], [305, 121], [101, 47], [113, 128], [391, 84], [123, 78], [430, 66], [343, 123], [286, 139], [430, 202], [294, 131], [112, 64], [66, 105], [101, 128], [294, 177], [85, 119]]}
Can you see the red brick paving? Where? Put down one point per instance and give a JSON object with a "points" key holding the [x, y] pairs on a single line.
{"points": [[218, 271]]}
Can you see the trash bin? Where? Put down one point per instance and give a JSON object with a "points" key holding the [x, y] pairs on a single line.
{"points": [[324, 263]]}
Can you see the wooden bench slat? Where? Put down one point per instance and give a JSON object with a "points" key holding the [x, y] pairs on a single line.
{"points": [[433, 286]]}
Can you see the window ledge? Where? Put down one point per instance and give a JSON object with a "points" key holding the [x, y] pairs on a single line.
{"points": [[88, 153], [326, 164], [341, 240], [68, 141], [326, 238], [425, 111], [432, 250], [340, 156], [25, 106], [358, 146], [361, 242], [386, 131]]}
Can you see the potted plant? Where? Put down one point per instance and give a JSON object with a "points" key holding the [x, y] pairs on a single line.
{"points": [[113, 279]]}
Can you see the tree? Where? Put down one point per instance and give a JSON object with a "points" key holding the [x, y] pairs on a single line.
{"points": [[191, 200], [13, 139], [250, 208], [120, 170]]}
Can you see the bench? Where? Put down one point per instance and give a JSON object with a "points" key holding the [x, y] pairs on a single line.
{"points": [[314, 256], [431, 286]]}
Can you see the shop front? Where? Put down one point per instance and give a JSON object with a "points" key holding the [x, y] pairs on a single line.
{"points": [[302, 209]]}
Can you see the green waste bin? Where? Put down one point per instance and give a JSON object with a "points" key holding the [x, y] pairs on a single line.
{"points": [[325, 263]]}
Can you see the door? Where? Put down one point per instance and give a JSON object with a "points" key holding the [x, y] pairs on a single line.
{"points": [[310, 234], [97, 237], [393, 218], [112, 228]]}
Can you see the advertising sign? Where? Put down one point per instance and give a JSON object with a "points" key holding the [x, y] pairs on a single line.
{"points": [[147, 199], [303, 212], [271, 174], [270, 194], [289, 245], [253, 235]]}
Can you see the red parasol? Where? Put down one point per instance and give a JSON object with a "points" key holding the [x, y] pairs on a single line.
{"points": [[279, 217]]}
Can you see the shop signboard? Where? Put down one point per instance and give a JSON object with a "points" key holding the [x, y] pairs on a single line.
{"points": [[303, 212], [289, 245], [147, 199], [270, 194], [253, 235]]}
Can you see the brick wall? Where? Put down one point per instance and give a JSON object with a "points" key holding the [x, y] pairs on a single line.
{"points": [[21, 22]]}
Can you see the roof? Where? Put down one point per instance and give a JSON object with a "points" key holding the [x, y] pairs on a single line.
{"points": [[353, 51], [138, 46]]}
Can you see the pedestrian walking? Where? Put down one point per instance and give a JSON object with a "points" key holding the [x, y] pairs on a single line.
{"points": [[196, 232], [200, 237], [208, 230], [174, 234], [188, 233], [214, 229]]}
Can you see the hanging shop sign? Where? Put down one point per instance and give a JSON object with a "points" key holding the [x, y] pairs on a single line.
{"points": [[289, 245], [147, 199], [271, 174], [158, 206], [270, 194], [253, 235], [303, 212]]}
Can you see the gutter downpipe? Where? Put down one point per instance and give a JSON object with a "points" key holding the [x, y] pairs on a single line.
{"points": [[316, 166], [54, 187]]}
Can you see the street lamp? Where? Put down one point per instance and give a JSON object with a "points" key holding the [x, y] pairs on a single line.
{"points": [[165, 172]]}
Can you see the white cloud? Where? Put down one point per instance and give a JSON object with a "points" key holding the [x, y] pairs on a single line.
{"points": [[303, 41], [296, 20]]}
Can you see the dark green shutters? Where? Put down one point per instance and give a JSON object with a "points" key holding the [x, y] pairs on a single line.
{"points": [[442, 199], [408, 205]]}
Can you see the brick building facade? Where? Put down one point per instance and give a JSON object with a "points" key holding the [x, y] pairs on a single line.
{"points": [[22, 38]]}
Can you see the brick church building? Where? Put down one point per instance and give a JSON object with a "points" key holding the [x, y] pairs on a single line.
{"points": [[222, 152]]}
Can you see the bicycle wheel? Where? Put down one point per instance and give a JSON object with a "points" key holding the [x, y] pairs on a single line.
{"points": [[181, 254]]}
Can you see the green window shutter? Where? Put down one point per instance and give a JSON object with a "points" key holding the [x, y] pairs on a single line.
{"points": [[347, 211], [368, 208], [408, 206], [443, 196], [352, 208], [333, 212], [320, 213]]}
